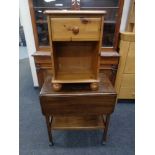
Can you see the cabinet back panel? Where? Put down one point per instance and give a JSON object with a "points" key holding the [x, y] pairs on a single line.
{"points": [[76, 58]]}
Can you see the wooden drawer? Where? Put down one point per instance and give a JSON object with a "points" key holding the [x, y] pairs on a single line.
{"points": [[75, 29], [39, 59], [44, 65]]}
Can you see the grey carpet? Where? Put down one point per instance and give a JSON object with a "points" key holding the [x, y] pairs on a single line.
{"points": [[33, 133]]}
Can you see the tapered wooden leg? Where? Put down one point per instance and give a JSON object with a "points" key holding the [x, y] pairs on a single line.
{"points": [[107, 120], [49, 123]]}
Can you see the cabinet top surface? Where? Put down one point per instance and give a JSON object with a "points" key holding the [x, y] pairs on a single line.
{"points": [[105, 88], [48, 12]]}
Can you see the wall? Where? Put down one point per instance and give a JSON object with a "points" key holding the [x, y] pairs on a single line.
{"points": [[27, 25], [125, 15]]}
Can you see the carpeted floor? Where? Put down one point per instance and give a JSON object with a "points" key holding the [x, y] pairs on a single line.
{"points": [[33, 133]]}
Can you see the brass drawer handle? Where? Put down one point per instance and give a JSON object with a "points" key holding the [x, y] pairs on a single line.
{"points": [[75, 30]]}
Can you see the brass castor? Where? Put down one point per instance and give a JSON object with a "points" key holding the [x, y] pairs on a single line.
{"points": [[94, 86], [57, 86], [103, 143], [51, 144]]}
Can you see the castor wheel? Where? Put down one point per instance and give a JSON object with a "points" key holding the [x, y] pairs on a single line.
{"points": [[94, 86], [57, 86], [103, 143], [51, 144]]}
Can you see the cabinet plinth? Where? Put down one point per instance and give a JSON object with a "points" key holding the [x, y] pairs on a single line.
{"points": [[75, 42]]}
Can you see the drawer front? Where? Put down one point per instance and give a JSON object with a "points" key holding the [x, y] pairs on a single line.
{"points": [[43, 59], [110, 60], [75, 29], [126, 93], [44, 65], [80, 105]]}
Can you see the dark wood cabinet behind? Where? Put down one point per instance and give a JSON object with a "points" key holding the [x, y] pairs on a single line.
{"points": [[112, 19]]}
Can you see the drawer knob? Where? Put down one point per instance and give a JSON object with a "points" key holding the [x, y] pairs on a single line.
{"points": [[75, 30]]}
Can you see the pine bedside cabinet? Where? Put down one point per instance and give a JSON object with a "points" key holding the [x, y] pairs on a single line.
{"points": [[75, 42]]}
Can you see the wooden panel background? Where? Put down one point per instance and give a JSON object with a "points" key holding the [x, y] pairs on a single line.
{"points": [[125, 79]]}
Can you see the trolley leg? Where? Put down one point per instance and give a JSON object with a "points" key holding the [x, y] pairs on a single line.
{"points": [[49, 123], [104, 139]]}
